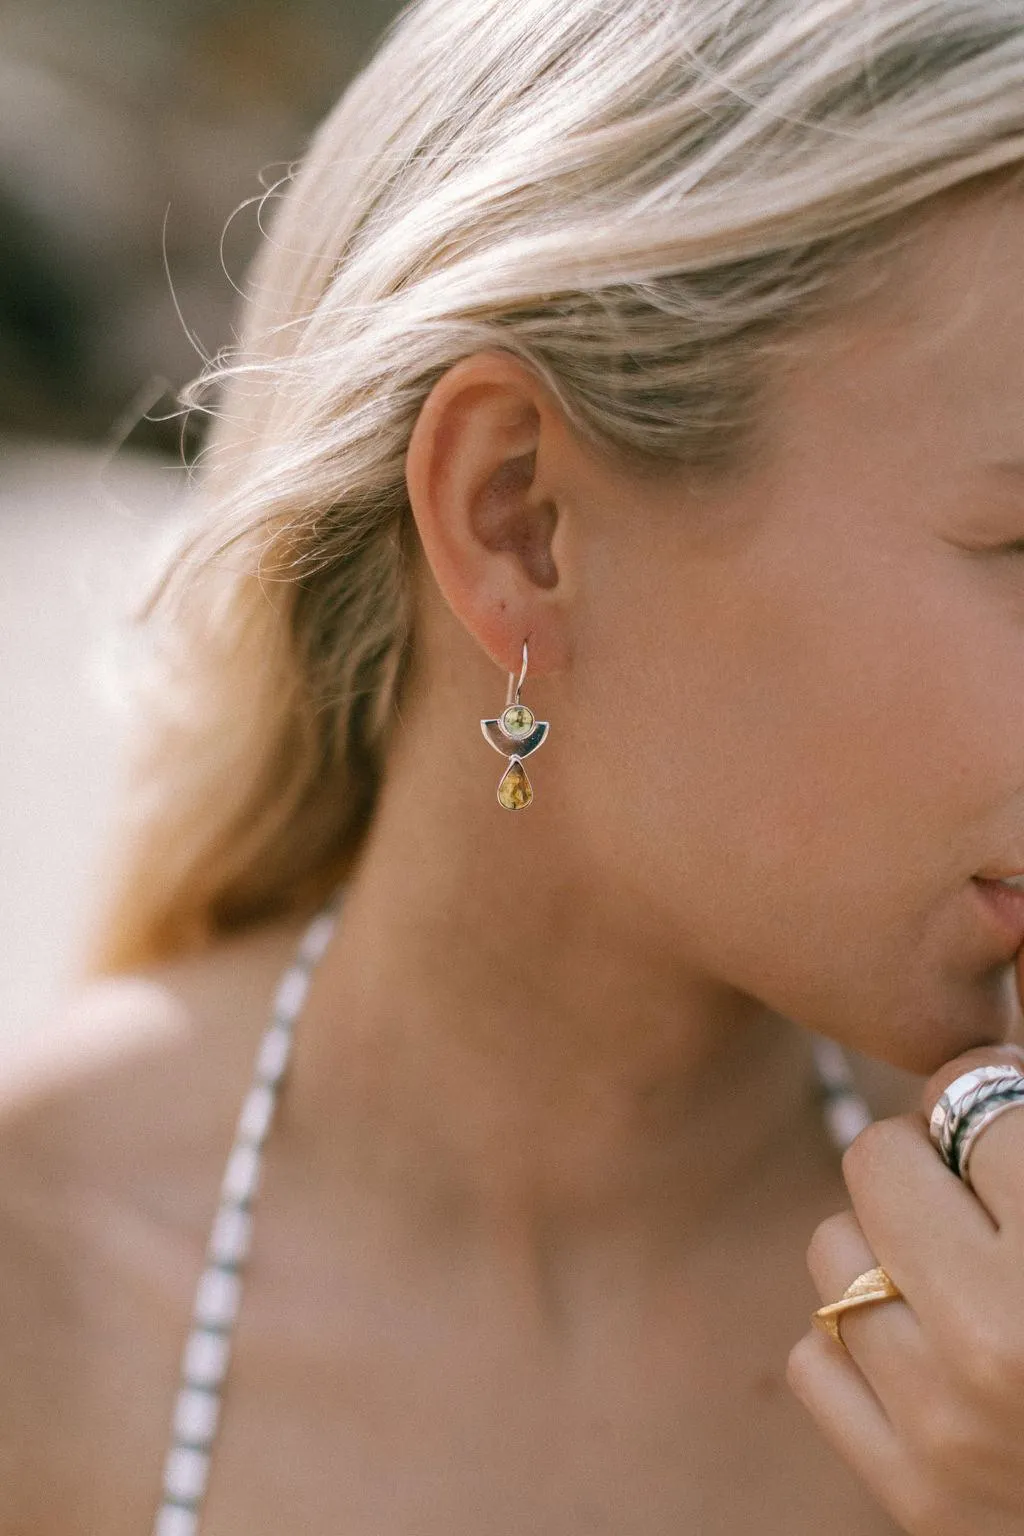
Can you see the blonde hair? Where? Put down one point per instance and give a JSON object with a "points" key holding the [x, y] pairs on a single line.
{"points": [[638, 198]]}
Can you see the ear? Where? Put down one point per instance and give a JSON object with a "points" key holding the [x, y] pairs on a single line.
{"points": [[486, 462]]}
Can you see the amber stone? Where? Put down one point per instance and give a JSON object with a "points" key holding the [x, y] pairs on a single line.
{"points": [[518, 720], [514, 791]]}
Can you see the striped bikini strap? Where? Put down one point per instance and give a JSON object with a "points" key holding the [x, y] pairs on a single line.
{"points": [[218, 1294]]}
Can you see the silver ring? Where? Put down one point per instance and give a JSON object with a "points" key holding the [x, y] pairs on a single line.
{"points": [[960, 1098], [979, 1119], [969, 1098]]}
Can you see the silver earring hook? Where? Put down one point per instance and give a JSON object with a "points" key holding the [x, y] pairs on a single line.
{"points": [[518, 686]]}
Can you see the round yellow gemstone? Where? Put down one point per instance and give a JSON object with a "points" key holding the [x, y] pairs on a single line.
{"points": [[518, 720]]}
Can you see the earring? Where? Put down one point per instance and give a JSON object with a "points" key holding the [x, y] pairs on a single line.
{"points": [[515, 736]]}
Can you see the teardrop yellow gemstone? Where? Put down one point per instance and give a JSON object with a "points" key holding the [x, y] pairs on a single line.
{"points": [[514, 791]]}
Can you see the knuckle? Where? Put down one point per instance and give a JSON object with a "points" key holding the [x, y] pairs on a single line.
{"points": [[827, 1239], [800, 1366], [862, 1157]]}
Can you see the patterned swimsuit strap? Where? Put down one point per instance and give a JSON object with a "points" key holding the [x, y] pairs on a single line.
{"points": [[218, 1294]]}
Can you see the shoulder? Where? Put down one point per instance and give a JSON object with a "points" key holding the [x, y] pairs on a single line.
{"points": [[120, 1094], [115, 1121]]}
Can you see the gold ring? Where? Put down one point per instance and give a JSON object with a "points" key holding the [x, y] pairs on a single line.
{"points": [[873, 1285]]}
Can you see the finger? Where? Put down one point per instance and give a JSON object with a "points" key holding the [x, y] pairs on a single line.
{"points": [[958, 1273], [886, 1342], [997, 1158], [918, 1495], [928, 1230], [884, 1339], [850, 1418]]}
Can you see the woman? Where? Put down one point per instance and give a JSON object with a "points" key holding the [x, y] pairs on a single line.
{"points": [[652, 370]]}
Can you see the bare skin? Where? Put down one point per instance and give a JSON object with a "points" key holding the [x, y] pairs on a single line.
{"points": [[389, 1374], [530, 1244]]}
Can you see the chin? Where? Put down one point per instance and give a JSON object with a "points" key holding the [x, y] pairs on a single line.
{"points": [[985, 1012]]}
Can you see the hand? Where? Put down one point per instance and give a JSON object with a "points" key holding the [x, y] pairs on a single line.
{"points": [[926, 1403]]}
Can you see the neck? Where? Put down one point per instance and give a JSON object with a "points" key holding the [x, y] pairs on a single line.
{"points": [[496, 1047]]}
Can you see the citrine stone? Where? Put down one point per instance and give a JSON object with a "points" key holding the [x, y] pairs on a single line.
{"points": [[515, 791], [518, 720]]}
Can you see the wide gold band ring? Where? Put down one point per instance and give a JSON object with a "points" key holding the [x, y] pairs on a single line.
{"points": [[873, 1285]]}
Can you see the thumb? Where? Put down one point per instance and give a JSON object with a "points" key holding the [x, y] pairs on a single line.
{"points": [[979, 1056], [1009, 1054]]}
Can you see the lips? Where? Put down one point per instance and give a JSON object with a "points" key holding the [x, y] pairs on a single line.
{"points": [[1004, 905]]}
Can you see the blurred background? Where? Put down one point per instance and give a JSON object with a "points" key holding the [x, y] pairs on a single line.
{"points": [[135, 142]]}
